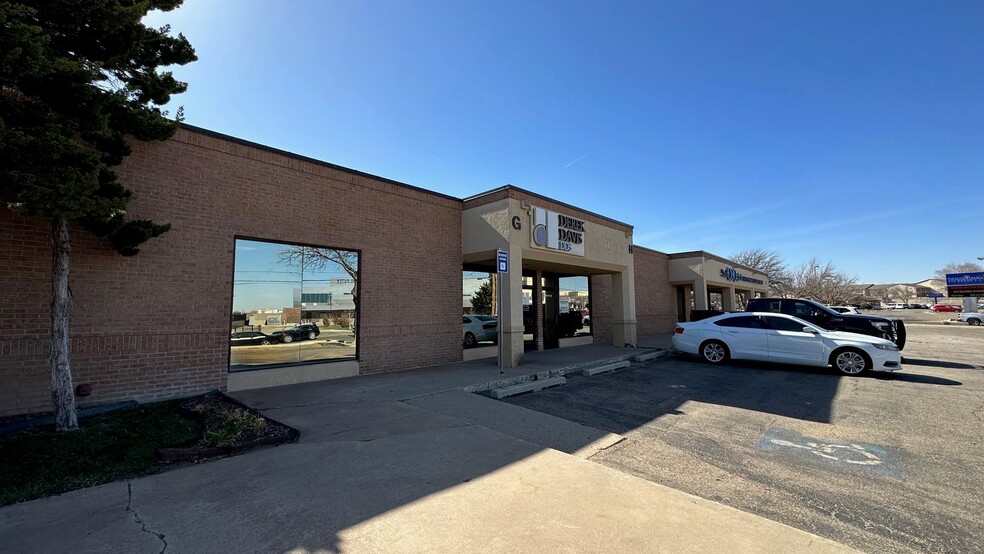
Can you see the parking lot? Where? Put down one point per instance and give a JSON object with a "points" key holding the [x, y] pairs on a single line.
{"points": [[889, 462]]}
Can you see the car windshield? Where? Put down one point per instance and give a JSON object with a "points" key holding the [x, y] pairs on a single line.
{"points": [[485, 318]]}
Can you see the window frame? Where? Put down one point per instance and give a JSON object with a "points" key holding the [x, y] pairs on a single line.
{"points": [[358, 307]]}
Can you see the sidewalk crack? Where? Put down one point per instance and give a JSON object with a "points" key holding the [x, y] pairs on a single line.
{"points": [[136, 517]]}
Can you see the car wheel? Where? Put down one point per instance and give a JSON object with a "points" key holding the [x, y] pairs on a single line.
{"points": [[714, 351], [974, 321], [850, 361], [312, 335], [265, 342], [287, 338], [470, 340]]}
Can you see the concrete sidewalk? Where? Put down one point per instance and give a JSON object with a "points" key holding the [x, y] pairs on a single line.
{"points": [[402, 462]]}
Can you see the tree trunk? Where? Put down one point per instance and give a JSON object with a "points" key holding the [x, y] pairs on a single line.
{"points": [[62, 393]]}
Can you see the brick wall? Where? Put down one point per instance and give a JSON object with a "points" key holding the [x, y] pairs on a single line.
{"points": [[156, 325], [654, 296]]}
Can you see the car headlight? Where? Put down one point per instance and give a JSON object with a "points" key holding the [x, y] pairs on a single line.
{"points": [[891, 347], [880, 325]]}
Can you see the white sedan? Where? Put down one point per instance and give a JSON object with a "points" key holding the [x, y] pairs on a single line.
{"points": [[771, 337]]}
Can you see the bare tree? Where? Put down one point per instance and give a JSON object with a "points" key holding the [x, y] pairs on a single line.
{"points": [[769, 263], [954, 267], [311, 258], [823, 283], [902, 292]]}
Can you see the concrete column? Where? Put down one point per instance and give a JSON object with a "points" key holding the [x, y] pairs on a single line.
{"points": [[623, 307], [728, 299], [537, 310], [511, 317], [700, 294]]}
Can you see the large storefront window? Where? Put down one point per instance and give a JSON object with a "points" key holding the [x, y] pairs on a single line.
{"points": [[293, 304]]}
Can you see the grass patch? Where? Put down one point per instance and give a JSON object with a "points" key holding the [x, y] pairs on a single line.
{"points": [[107, 447]]}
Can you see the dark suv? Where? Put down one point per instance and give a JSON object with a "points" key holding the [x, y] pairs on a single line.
{"points": [[298, 332], [822, 316]]}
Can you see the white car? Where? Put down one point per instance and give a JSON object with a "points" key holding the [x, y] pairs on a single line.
{"points": [[771, 337], [479, 328], [845, 309]]}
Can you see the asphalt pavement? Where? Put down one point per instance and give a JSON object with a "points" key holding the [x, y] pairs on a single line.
{"points": [[884, 463]]}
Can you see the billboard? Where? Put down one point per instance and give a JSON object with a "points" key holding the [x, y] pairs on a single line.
{"points": [[963, 285]]}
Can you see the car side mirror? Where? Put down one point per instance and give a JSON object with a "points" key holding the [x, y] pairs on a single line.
{"points": [[809, 330]]}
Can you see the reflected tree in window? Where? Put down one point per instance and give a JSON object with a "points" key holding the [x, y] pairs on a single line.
{"points": [[310, 258]]}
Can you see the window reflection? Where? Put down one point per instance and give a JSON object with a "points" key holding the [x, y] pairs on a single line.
{"points": [[293, 304]]}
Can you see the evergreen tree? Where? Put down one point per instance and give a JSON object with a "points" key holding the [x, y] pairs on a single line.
{"points": [[78, 78], [481, 301]]}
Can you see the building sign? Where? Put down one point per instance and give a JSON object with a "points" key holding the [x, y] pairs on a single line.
{"points": [[555, 231], [964, 285], [732, 275]]}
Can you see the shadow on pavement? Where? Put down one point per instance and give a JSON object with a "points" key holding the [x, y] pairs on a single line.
{"points": [[631, 399], [940, 363], [916, 378]]}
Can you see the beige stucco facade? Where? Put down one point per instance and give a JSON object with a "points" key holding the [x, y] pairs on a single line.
{"points": [[703, 274], [508, 218]]}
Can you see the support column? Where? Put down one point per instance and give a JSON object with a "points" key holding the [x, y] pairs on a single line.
{"points": [[728, 299], [623, 307], [700, 294], [536, 310], [511, 317]]}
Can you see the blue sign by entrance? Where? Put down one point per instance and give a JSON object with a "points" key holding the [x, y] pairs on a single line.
{"points": [[934, 294], [502, 261]]}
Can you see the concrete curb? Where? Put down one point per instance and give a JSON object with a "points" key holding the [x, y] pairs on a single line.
{"points": [[528, 386], [561, 371], [605, 368]]}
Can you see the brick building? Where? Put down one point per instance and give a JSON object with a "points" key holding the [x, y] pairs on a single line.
{"points": [[158, 325]]}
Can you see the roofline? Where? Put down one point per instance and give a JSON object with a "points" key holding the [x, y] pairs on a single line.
{"points": [[508, 187], [722, 259], [258, 146]]}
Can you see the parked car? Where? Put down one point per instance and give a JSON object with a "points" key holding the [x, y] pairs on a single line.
{"points": [[479, 328], [298, 332], [824, 317], [772, 337], [945, 308], [971, 318], [845, 309], [895, 306], [251, 338]]}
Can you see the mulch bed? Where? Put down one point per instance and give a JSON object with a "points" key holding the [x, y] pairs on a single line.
{"points": [[228, 427]]}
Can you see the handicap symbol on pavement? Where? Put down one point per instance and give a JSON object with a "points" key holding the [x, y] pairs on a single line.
{"points": [[836, 452], [845, 454]]}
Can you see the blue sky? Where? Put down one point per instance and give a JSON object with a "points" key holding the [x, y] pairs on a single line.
{"points": [[847, 131]]}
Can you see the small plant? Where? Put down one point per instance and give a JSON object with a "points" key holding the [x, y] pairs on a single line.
{"points": [[344, 321], [234, 425]]}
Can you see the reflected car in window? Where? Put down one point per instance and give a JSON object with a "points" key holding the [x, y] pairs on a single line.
{"points": [[298, 332], [251, 338], [781, 338], [479, 328]]}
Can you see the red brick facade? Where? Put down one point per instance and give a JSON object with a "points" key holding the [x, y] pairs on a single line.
{"points": [[157, 325]]}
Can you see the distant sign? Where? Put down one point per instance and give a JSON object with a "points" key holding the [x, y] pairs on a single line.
{"points": [[964, 285], [934, 295], [961, 279]]}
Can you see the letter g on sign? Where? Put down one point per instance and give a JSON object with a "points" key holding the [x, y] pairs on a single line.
{"points": [[517, 223]]}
